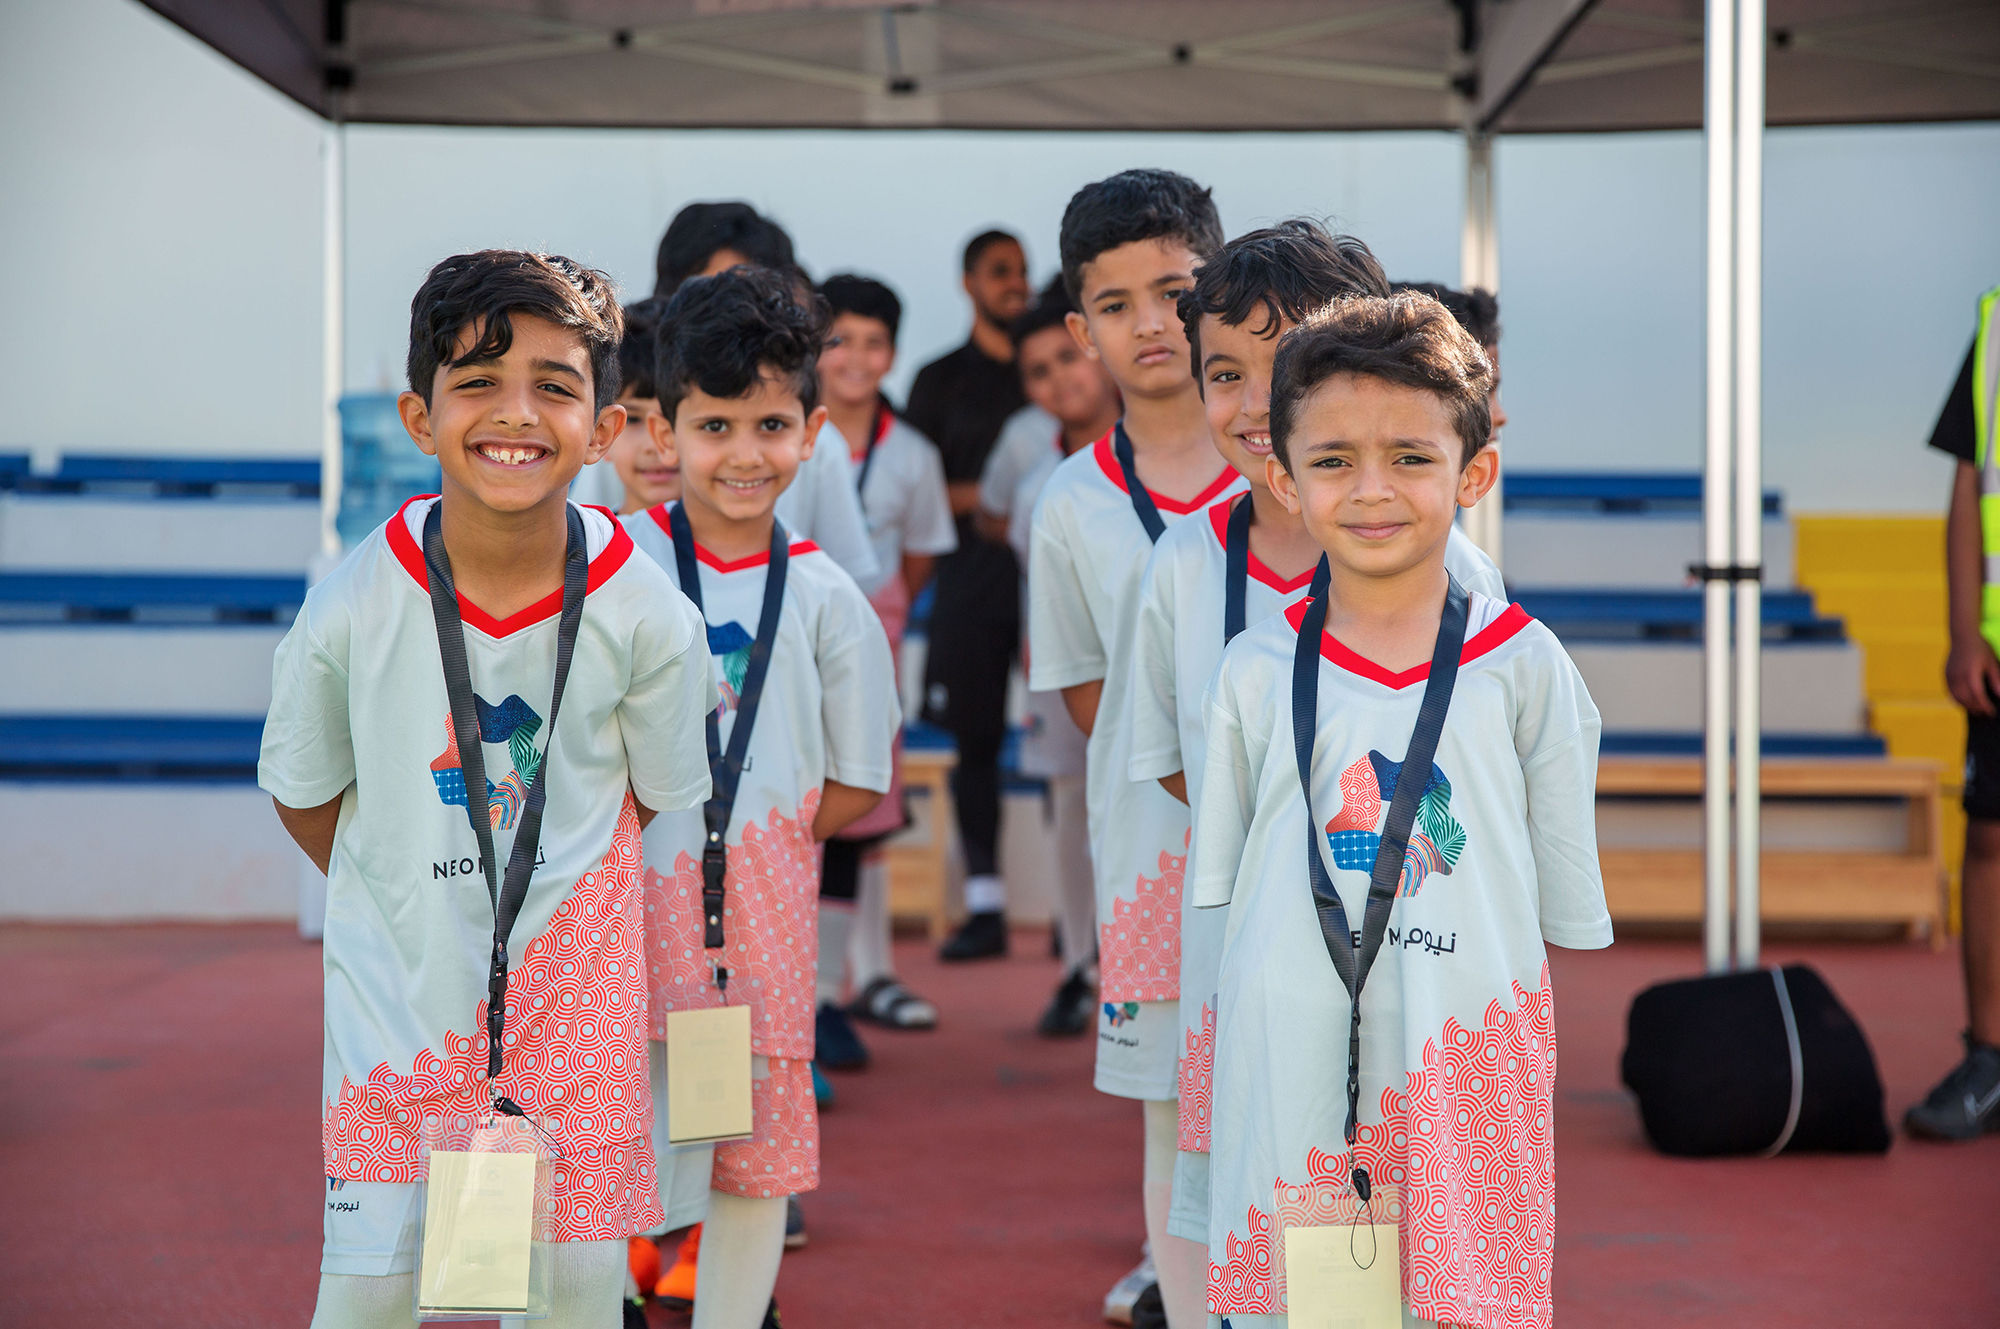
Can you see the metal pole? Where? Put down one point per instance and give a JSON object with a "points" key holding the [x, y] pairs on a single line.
{"points": [[1479, 265], [333, 255], [1749, 469], [1719, 126]]}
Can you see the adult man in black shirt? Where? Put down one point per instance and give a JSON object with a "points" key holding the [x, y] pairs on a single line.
{"points": [[959, 401], [1966, 1103]]}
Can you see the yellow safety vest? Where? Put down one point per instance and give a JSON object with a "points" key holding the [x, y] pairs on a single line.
{"points": [[1985, 426]]}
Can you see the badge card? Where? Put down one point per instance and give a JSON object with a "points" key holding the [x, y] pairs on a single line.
{"points": [[479, 1223], [708, 1075]]}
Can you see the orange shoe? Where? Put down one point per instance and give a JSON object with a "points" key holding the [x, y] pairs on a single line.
{"points": [[642, 1257], [676, 1287]]}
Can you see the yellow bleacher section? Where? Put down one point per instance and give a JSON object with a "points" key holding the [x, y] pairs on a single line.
{"points": [[1884, 576]]}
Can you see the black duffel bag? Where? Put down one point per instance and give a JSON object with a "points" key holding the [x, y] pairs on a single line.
{"points": [[1753, 1063]]}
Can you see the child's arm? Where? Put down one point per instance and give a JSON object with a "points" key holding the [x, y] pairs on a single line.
{"points": [[917, 569], [840, 806], [1175, 784], [312, 828], [1555, 733], [645, 813], [663, 716], [1082, 699], [1152, 707], [1221, 827], [1065, 652]]}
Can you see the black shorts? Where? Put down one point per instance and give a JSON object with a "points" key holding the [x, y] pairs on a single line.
{"points": [[975, 632], [1982, 767]]}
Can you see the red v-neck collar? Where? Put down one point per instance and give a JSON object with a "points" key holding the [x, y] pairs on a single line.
{"points": [[1486, 640], [609, 559], [1107, 461], [1218, 520], [885, 420], [658, 513]]}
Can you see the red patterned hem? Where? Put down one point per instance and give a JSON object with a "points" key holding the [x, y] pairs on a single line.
{"points": [[576, 1055], [1196, 1078], [782, 1156], [1139, 950], [1471, 1145]]}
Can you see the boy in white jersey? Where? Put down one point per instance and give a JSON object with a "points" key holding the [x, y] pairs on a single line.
{"points": [[1130, 245], [901, 479], [1072, 404], [1379, 426], [645, 477], [1245, 297], [738, 391], [367, 747]]}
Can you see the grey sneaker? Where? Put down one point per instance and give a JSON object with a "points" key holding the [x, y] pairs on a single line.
{"points": [[1966, 1103], [1125, 1293]]}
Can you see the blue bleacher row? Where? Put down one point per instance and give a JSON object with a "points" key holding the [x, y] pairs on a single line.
{"points": [[84, 745]]}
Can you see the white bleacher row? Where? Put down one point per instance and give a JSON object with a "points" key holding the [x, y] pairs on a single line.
{"points": [[1626, 551], [145, 533]]}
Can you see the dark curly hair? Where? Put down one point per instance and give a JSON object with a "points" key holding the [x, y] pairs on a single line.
{"points": [[1277, 274], [483, 291], [699, 230], [1477, 310], [1131, 206], [1408, 339], [721, 333]]}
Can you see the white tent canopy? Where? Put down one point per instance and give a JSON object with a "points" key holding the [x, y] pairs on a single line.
{"points": [[1477, 66]]}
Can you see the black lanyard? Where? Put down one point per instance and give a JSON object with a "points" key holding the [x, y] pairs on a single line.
{"points": [[883, 417], [1387, 877], [1142, 498], [1236, 571], [725, 766], [512, 892]]}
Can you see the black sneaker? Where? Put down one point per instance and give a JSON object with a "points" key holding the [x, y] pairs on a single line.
{"points": [[835, 1044], [1966, 1103], [771, 1320], [1150, 1310], [1072, 1009], [981, 936], [795, 1224]]}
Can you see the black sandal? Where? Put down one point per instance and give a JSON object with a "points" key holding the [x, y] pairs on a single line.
{"points": [[888, 1003]]}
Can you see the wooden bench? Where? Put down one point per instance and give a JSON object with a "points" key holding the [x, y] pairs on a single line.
{"points": [[919, 858], [1904, 885]]}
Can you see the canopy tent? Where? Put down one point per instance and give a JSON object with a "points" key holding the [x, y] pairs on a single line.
{"points": [[1477, 66]]}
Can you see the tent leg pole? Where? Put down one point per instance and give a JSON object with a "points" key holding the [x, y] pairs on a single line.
{"points": [[1719, 141], [1479, 265], [1749, 469], [333, 323]]}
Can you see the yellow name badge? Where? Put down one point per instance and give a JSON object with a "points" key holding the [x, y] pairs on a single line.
{"points": [[479, 1222], [708, 1075], [1346, 1275]]}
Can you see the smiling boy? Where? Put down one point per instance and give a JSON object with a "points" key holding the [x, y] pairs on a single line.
{"points": [[1130, 245], [513, 371], [1379, 431], [740, 414]]}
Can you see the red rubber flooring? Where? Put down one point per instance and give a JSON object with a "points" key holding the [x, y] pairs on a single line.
{"points": [[159, 1156]]}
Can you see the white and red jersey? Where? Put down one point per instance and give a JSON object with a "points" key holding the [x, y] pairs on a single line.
{"points": [[359, 712], [828, 712], [903, 498], [1176, 646], [1458, 1051], [1087, 553]]}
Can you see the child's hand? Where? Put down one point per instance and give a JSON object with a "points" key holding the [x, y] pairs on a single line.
{"points": [[1973, 675]]}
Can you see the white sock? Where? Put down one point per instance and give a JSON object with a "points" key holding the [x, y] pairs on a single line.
{"points": [[868, 950], [1182, 1265], [1076, 893], [985, 894], [364, 1301], [742, 1242], [836, 920], [588, 1281]]}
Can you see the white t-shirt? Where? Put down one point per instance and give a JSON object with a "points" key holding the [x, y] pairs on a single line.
{"points": [[359, 707], [1176, 646], [1457, 1045], [829, 712], [1022, 446], [1087, 552], [820, 505], [903, 498]]}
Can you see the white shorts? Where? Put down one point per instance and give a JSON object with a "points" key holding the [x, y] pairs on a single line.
{"points": [[1187, 1217], [370, 1227], [1137, 1042]]}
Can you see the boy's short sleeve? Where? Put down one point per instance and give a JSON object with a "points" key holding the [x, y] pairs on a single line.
{"points": [[1555, 735], [307, 755], [823, 507], [1152, 710], [859, 709], [664, 713], [1472, 568], [1228, 801], [928, 528], [1064, 648]]}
